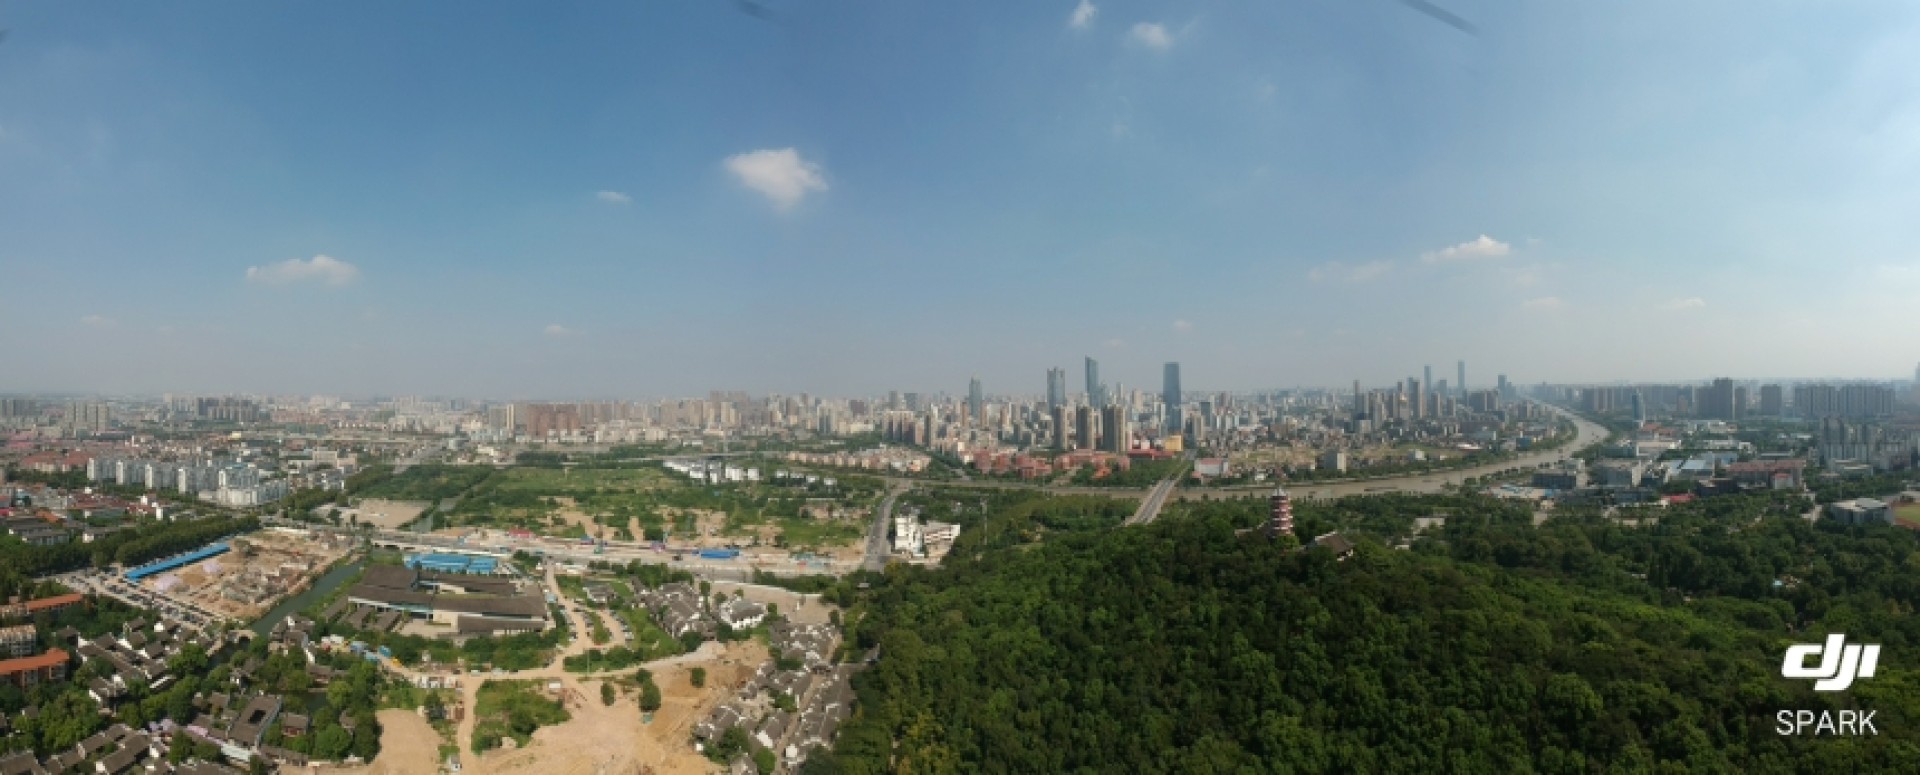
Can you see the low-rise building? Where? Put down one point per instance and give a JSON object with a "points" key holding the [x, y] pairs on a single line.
{"points": [[1861, 511]]}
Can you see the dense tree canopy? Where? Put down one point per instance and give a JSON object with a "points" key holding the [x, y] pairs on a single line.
{"points": [[1492, 646]]}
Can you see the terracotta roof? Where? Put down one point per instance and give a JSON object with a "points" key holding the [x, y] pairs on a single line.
{"points": [[51, 658]]}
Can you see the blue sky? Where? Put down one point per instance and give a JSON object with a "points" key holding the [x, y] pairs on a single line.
{"points": [[617, 199]]}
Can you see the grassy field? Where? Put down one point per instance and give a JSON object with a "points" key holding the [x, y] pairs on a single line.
{"points": [[513, 709], [648, 639], [1907, 512], [621, 503]]}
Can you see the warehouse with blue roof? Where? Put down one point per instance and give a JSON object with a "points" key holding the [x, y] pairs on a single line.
{"points": [[453, 563], [176, 561]]}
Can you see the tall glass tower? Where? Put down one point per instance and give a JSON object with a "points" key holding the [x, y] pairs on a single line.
{"points": [[1170, 393], [1096, 396]]}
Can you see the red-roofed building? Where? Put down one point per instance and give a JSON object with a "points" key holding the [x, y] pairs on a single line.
{"points": [[56, 462], [37, 669], [1778, 474], [16, 610]]}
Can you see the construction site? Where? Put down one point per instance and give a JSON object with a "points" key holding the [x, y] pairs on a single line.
{"points": [[256, 572]]}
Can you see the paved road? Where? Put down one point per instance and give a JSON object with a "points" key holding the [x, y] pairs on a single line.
{"points": [[1587, 434], [877, 549], [1150, 505]]}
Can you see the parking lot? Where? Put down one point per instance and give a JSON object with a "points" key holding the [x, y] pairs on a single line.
{"points": [[108, 584]]}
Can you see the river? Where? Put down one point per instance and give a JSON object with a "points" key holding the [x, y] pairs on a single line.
{"points": [[292, 605]]}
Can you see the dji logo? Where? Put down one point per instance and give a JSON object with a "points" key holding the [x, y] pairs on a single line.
{"points": [[1839, 663]]}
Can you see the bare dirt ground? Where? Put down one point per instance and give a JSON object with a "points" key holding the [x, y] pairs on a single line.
{"points": [[804, 609], [384, 514], [570, 511], [600, 739], [408, 746], [269, 560]]}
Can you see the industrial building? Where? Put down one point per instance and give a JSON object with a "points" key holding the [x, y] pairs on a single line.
{"points": [[469, 604], [453, 563]]}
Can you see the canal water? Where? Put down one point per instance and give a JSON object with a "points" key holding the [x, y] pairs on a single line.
{"points": [[327, 583]]}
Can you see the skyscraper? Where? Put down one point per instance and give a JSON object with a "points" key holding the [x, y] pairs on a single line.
{"points": [[1115, 434], [1462, 384], [1056, 388], [1083, 427], [1096, 396], [975, 401], [1060, 427], [1419, 398], [1170, 393], [1428, 374], [1639, 409]]}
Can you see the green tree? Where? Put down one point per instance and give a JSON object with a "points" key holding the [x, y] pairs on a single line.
{"points": [[698, 676], [606, 693], [649, 697]]}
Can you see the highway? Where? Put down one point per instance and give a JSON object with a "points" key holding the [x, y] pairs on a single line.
{"points": [[1150, 505], [1586, 434]]}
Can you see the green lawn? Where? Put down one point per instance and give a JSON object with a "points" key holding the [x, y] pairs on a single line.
{"points": [[513, 709], [649, 640], [811, 533]]}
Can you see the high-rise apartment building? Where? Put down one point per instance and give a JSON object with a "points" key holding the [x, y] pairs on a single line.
{"points": [[1083, 427], [1096, 394], [1813, 401], [1170, 393], [1719, 401], [1115, 433], [1772, 401], [1060, 427], [976, 402], [1462, 384], [1056, 388]]}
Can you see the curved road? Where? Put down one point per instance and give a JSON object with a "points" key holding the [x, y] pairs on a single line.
{"points": [[1587, 434]]}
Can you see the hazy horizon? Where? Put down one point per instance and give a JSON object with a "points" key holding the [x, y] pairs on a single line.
{"points": [[841, 199]]}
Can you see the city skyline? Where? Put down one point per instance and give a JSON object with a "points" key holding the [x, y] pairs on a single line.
{"points": [[224, 199]]}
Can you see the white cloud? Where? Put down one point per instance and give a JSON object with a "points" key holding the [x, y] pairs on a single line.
{"points": [[1083, 14], [321, 269], [780, 174], [1358, 273], [557, 330], [1484, 247], [1152, 35], [1543, 304], [613, 197], [1690, 302], [1116, 344], [1183, 326], [98, 321]]}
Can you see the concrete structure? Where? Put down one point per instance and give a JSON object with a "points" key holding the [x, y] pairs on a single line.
{"points": [[1861, 511]]}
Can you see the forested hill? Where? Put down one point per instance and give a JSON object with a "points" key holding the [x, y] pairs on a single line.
{"points": [[1181, 647]]}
